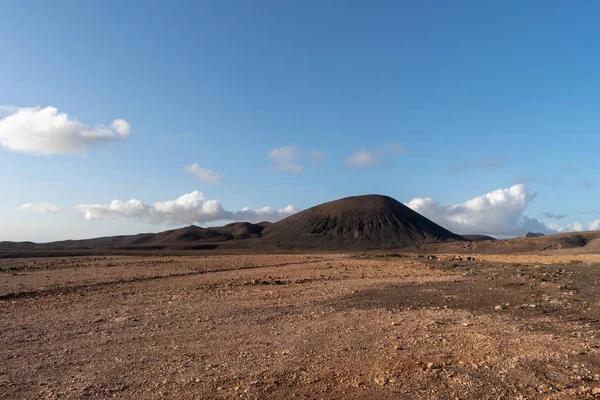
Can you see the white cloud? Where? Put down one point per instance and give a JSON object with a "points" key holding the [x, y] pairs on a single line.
{"points": [[577, 227], [285, 159], [374, 157], [204, 175], [186, 209], [41, 208], [496, 213], [121, 126], [291, 158], [132, 208], [39, 130], [264, 214], [364, 158]]}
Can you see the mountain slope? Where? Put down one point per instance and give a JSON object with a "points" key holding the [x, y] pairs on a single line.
{"points": [[358, 222]]}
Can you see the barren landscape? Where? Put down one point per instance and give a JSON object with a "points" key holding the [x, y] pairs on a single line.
{"points": [[359, 325], [299, 200]]}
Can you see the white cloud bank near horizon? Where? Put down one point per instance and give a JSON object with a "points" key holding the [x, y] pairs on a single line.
{"points": [[500, 212], [186, 209], [497, 213], [40, 208], [44, 131], [576, 227]]}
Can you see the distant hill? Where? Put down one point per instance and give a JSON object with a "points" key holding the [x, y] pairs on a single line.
{"points": [[355, 223], [567, 242], [352, 223]]}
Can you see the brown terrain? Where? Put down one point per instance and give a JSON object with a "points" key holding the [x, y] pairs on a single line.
{"points": [[221, 313]]}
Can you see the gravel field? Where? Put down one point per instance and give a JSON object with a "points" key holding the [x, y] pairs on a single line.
{"points": [[314, 326]]}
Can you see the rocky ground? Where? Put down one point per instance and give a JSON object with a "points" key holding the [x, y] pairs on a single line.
{"points": [[301, 326]]}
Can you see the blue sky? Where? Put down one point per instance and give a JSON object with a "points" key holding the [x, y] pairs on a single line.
{"points": [[479, 95]]}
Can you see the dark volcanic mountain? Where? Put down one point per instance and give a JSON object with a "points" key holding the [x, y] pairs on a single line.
{"points": [[359, 222]]}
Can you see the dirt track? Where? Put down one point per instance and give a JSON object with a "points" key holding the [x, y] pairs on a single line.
{"points": [[304, 326]]}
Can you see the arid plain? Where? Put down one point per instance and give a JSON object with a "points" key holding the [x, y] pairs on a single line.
{"points": [[349, 325]]}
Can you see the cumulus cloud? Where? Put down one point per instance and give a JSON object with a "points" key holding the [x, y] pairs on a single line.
{"points": [[204, 175], [577, 227], [186, 209], [264, 214], [132, 208], [285, 159], [39, 130], [496, 213], [373, 157], [40, 208]]}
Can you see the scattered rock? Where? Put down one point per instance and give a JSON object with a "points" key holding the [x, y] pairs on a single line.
{"points": [[432, 365], [381, 381]]}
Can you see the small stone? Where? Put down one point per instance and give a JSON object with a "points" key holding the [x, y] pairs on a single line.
{"points": [[381, 381], [498, 307], [595, 391], [532, 306]]}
